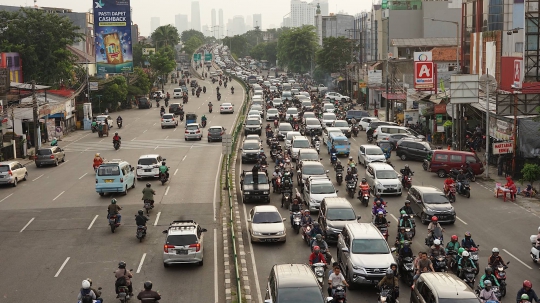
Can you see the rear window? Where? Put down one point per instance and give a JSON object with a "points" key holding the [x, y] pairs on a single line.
{"points": [[286, 127], [181, 240], [192, 127], [313, 122], [168, 116], [147, 161], [4, 168], [109, 171], [251, 146], [214, 130], [177, 90], [300, 143], [43, 152]]}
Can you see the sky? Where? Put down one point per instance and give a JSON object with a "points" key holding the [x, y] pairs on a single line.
{"points": [[272, 10]]}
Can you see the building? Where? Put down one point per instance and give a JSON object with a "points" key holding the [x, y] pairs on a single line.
{"points": [[213, 18], [257, 21], [334, 26], [249, 22], [195, 16], [154, 24], [238, 26], [206, 31], [13, 62], [221, 24], [287, 22], [181, 23], [302, 13]]}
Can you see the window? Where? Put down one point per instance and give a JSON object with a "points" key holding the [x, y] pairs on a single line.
{"points": [[441, 157], [435, 198], [147, 161], [44, 152], [418, 146], [16, 61], [470, 159], [9, 61], [369, 246], [519, 47], [341, 214], [322, 189], [455, 158], [109, 171], [266, 217], [182, 240]]}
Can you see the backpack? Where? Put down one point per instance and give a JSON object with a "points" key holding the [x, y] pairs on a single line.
{"points": [[86, 298], [121, 281]]}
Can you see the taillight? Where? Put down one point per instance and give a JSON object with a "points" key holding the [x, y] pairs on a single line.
{"points": [[167, 247], [121, 180], [139, 167], [173, 119], [10, 173], [187, 132], [161, 119], [196, 246], [52, 157], [198, 131]]}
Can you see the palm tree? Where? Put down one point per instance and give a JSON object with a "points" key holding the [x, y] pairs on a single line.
{"points": [[165, 35]]}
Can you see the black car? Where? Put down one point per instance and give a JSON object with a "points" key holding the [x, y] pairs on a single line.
{"points": [[144, 103], [428, 201], [193, 83], [250, 151], [394, 139], [174, 108], [375, 124], [414, 149], [334, 214], [255, 191], [356, 114]]}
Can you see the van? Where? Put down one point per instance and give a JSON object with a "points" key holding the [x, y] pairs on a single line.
{"points": [[442, 161], [383, 131], [144, 103], [340, 142], [288, 138], [293, 283], [115, 176], [438, 287], [297, 143], [334, 214], [177, 93]]}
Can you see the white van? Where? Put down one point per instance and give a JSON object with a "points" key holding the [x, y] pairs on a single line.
{"points": [[384, 131], [177, 93]]}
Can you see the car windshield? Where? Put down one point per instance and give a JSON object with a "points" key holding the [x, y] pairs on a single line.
{"points": [[226, 105], [312, 122], [251, 146], [455, 300], [309, 115], [340, 142], [101, 118], [340, 214], [167, 116], [313, 170], [292, 111], [285, 126], [320, 189], [192, 127], [286, 94], [435, 198], [309, 156], [248, 179], [329, 106], [301, 144], [301, 295], [181, 240], [374, 151], [341, 124], [109, 171], [267, 217], [369, 246], [329, 116], [306, 103], [147, 161], [252, 122], [386, 174], [272, 111], [256, 107], [44, 152]]}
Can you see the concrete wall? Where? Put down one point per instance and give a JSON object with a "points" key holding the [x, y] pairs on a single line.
{"points": [[439, 10], [405, 24], [337, 26]]}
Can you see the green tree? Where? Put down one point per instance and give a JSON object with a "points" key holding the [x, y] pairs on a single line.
{"points": [[258, 52], [113, 92], [192, 45], [142, 85], [239, 45], [296, 48], [165, 35], [41, 38], [530, 172], [186, 35], [270, 52], [161, 63], [335, 54]]}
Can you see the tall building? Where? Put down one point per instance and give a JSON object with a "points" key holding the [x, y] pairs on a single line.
{"points": [[249, 23], [154, 23], [195, 16], [221, 25], [206, 31], [238, 25], [302, 13], [181, 23], [213, 22], [323, 4], [257, 21]]}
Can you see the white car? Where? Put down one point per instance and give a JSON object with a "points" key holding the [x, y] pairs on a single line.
{"points": [[105, 119], [259, 109], [271, 114], [292, 111], [383, 179], [148, 166], [337, 97], [168, 120], [364, 122], [266, 224], [370, 153], [158, 94], [11, 172], [193, 132], [297, 143], [328, 108], [226, 108], [277, 102], [328, 119], [327, 131], [318, 189]]}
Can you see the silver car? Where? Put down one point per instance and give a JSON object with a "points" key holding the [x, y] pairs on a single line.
{"points": [[193, 132], [11, 172], [50, 156], [168, 120], [266, 224], [183, 243]]}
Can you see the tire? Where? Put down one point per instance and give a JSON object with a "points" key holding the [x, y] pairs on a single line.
{"points": [[25, 176], [113, 227], [162, 127], [125, 191], [473, 178], [15, 182], [424, 166], [38, 166], [201, 263], [64, 158], [403, 157], [133, 186], [56, 163], [360, 127], [422, 215], [102, 194], [165, 265], [468, 195], [140, 239], [441, 173]]}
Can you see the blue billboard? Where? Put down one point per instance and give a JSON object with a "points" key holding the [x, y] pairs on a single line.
{"points": [[112, 32]]}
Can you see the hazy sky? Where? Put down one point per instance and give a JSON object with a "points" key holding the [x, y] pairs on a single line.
{"points": [[272, 10]]}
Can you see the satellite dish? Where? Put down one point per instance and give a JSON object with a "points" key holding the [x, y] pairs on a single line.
{"points": [[488, 82]]}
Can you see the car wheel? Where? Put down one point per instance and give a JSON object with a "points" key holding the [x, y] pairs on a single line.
{"points": [[37, 165], [441, 173], [403, 157], [64, 158], [350, 281], [102, 194], [165, 265], [133, 186], [162, 127], [422, 216], [15, 182], [201, 263], [125, 191], [56, 163], [208, 140], [25, 176], [360, 127], [185, 139]]}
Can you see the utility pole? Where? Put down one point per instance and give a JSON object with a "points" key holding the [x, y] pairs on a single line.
{"points": [[36, 118]]}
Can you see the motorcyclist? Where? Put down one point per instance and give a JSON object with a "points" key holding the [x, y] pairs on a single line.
{"points": [[117, 138], [316, 256], [204, 89], [353, 121], [447, 184], [123, 272], [380, 220], [488, 276], [148, 295], [370, 132], [390, 281], [351, 162], [527, 290], [295, 207], [460, 178], [97, 161], [524, 299], [94, 123], [495, 259], [119, 119], [338, 166], [407, 208], [114, 209], [333, 150], [405, 250], [378, 198], [465, 261], [86, 291], [364, 186], [336, 279], [349, 177], [148, 194], [162, 110], [232, 89], [163, 169], [54, 142], [453, 245], [401, 237], [405, 220], [316, 230], [468, 242], [210, 105], [436, 249], [487, 294], [203, 119], [141, 219], [96, 291], [306, 218], [432, 225], [319, 241], [406, 171]]}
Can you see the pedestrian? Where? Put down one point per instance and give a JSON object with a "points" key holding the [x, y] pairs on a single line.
{"points": [[500, 161], [376, 113]]}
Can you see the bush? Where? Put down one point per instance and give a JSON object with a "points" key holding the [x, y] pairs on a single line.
{"points": [[530, 172]]}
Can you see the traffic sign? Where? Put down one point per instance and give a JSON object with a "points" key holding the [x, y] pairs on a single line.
{"points": [[424, 75], [208, 57], [226, 144], [197, 57], [518, 73], [362, 85]]}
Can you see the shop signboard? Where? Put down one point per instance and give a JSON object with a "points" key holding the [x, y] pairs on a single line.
{"points": [[503, 148]]}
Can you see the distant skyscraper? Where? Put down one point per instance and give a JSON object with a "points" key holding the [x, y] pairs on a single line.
{"points": [[214, 29], [181, 23], [302, 13], [221, 25], [257, 21], [206, 31], [195, 16], [154, 23], [249, 23]]}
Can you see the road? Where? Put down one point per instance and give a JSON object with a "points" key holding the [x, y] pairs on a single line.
{"points": [[492, 222], [54, 231]]}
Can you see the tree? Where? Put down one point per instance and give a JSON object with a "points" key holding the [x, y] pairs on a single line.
{"points": [[270, 52], [296, 48], [335, 54], [161, 63], [41, 38], [238, 44], [165, 35], [186, 35], [192, 45], [142, 85], [113, 93], [530, 172], [258, 52]]}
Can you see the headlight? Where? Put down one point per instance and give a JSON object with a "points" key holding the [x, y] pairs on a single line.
{"points": [[244, 153], [360, 269], [265, 193], [379, 184], [256, 233], [313, 201], [246, 193], [280, 233]]}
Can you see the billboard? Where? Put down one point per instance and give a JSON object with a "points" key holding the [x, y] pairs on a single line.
{"points": [[112, 28], [424, 75]]}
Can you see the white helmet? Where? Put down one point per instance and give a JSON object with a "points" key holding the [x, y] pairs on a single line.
{"points": [[85, 284], [465, 254], [539, 229], [437, 242]]}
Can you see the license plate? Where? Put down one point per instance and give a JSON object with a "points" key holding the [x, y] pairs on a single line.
{"points": [[192, 133], [109, 181], [147, 170], [181, 252]]}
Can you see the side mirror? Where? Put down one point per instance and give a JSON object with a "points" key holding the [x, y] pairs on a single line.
{"points": [[327, 171], [393, 249], [345, 249], [284, 219], [337, 191], [165, 231], [249, 220], [358, 217], [132, 168], [204, 230]]}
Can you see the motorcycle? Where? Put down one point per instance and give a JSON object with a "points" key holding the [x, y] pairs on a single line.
{"points": [[119, 123], [204, 90], [318, 269], [141, 232], [496, 291], [406, 269], [198, 94], [123, 294], [535, 252], [435, 234], [203, 123], [184, 100], [500, 274], [469, 276], [339, 176], [469, 174], [365, 197], [355, 130], [167, 102], [339, 295], [333, 158], [425, 164], [385, 295], [439, 264], [296, 221], [318, 146], [370, 138], [163, 178], [384, 230], [116, 144], [465, 189], [351, 188], [219, 97], [232, 91], [406, 180], [451, 255], [113, 222], [451, 194], [210, 109], [286, 200], [473, 255], [306, 233], [147, 206], [95, 129]]}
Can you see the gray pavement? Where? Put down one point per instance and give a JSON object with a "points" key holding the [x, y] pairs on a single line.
{"points": [[54, 231]]}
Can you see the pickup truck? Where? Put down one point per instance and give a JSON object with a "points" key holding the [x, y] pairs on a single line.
{"points": [[255, 191], [337, 97]]}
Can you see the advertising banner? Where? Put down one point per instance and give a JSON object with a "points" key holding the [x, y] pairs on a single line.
{"points": [[112, 28], [503, 148], [499, 129]]}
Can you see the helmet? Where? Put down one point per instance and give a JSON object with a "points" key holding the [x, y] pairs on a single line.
{"points": [[113, 201], [148, 185], [316, 248], [389, 273], [465, 254], [116, 133], [85, 284], [437, 242], [97, 155], [525, 297], [315, 224], [364, 180], [401, 227], [487, 283], [495, 250], [406, 165], [403, 212], [488, 270], [140, 212], [454, 238], [378, 195], [407, 202], [350, 158], [461, 250], [122, 264], [527, 284], [147, 285], [380, 212], [163, 163], [434, 218], [467, 234], [406, 243], [318, 237]]}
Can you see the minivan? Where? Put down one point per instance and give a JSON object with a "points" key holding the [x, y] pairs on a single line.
{"points": [[293, 283], [439, 287], [334, 214], [442, 161], [144, 103], [177, 93], [383, 131], [340, 142], [115, 176], [297, 143]]}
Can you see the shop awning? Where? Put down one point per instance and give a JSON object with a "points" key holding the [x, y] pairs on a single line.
{"points": [[394, 96]]}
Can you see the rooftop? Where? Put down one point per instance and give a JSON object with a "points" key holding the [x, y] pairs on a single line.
{"points": [[423, 42]]}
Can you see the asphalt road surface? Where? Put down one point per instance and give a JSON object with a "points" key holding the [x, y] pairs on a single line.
{"points": [[53, 227], [492, 222]]}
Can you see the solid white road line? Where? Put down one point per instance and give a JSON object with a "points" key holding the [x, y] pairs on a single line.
{"points": [[392, 215], [157, 218], [6, 197], [461, 220], [83, 176], [215, 188], [92, 223], [140, 264], [37, 178], [174, 174], [59, 195], [61, 267], [511, 255], [167, 190], [215, 268], [27, 225]]}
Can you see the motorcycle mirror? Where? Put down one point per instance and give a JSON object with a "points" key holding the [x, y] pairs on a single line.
{"points": [[204, 230], [100, 288], [327, 171], [284, 219], [337, 191], [165, 231]]}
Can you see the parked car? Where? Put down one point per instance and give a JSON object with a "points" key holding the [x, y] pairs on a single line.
{"points": [[144, 103], [11, 172], [413, 149], [50, 156]]}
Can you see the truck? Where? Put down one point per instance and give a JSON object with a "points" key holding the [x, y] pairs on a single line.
{"points": [[258, 191]]}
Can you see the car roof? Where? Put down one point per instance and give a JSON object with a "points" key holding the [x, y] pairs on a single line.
{"points": [[364, 230], [8, 162], [369, 146], [265, 208], [337, 135], [308, 150], [149, 156], [294, 276], [319, 179], [447, 285], [191, 124], [183, 227], [427, 189], [216, 126], [380, 166], [312, 163], [300, 138], [252, 141], [337, 202], [254, 118]]}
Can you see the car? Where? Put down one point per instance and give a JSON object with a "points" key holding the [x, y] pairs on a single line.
{"points": [[158, 94], [370, 153], [306, 104], [255, 191], [273, 89], [177, 92], [340, 142], [105, 119], [184, 243], [328, 108], [310, 169], [384, 131], [306, 155], [277, 102], [50, 156], [193, 132], [253, 126], [316, 188], [167, 120], [343, 126], [215, 133], [11, 172], [328, 119], [364, 122], [283, 129], [252, 137], [289, 137], [375, 124], [144, 103], [356, 114], [334, 214], [363, 253], [193, 83], [175, 109], [259, 109], [266, 224], [441, 287], [250, 151], [309, 115], [442, 161], [115, 176], [383, 179], [226, 108], [293, 283], [286, 96], [413, 149], [337, 97], [297, 143], [148, 166], [313, 126], [429, 201], [254, 114], [271, 114], [393, 139], [292, 111]]}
